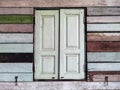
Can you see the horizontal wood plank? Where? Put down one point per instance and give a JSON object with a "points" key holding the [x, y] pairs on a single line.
{"points": [[103, 57], [58, 3], [107, 11], [16, 48], [103, 66], [100, 76], [16, 28], [16, 19], [102, 46], [15, 38], [11, 76], [103, 36], [16, 11], [103, 19], [103, 27], [15, 67], [16, 57]]}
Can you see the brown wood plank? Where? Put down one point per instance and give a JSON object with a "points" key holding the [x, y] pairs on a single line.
{"points": [[103, 46], [16, 57], [58, 3], [100, 76], [16, 27], [16, 10], [103, 19], [103, 36], [103, 11]]}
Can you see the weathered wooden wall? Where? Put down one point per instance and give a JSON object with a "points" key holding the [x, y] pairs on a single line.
{"points": [[103, 43], [16, 44], [103, 35]]}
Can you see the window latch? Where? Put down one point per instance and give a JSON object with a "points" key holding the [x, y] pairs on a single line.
{"points": [[16, 80], [106, 81]]}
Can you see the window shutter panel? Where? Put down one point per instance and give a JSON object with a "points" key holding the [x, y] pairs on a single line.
{"points": [[46, 44], [72, 44]]}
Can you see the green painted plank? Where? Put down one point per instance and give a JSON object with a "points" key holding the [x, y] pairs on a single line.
{"points": [[16, 19]]}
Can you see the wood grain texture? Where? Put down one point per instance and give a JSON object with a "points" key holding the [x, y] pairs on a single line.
{"points": [[11, 77], [102, 46], [103, 57], [107, 11], [103, 66], [16, 11], [103, 27], [100, 76], [7, 38], [16, 27], [16, 57], [103, 36], [16, 48], [16, 19], [58, 3], [60, 85], [103, 19], [15, 67]]}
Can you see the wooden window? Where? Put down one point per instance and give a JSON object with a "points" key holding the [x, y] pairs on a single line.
{"points": [[59, 44]]}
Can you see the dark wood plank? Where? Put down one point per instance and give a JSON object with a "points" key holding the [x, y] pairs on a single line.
{"points": [[103, 36], [103, 19], [100, 76], [103, 46], [58, 3], [103, 11], [16, 57], [16, 19], [16, 11], [16, 27]]}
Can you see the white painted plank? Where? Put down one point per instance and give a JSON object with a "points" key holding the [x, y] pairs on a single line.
{"points": [[103, 56], [16, 38], [103, 66], [103, 27], [16, 48], [15, 67], [11, 76]]}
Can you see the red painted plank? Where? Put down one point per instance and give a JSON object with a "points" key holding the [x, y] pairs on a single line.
{"points": [[16, 10], [103, 19], [16, 27], [103, 36], [100, 76], [103, 46]]}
